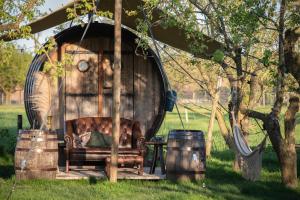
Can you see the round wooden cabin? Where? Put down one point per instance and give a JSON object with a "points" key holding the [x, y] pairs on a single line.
{"points": [[86, 88]]}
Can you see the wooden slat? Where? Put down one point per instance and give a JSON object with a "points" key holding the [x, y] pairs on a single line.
{"points": [[147, 93], [100, 83], [54, 94], [107, 45], [61, 90]]}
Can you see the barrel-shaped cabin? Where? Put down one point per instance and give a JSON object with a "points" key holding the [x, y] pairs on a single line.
{"points": [[85, 88]]}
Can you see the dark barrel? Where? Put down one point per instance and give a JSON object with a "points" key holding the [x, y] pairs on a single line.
{"points": [[185, 155], [36, 155]]}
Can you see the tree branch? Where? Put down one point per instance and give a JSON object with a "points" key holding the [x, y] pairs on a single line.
{"points": [[254, 114], [28, 6]]}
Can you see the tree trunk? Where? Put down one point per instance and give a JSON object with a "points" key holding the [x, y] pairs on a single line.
{"points": [[211, 123], [116, 93], [225, 132], [289, 155], [289, 165], [285, 147], [7, 97]]}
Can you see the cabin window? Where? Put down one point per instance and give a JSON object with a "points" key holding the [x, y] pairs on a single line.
{"points": [[83, 66]]}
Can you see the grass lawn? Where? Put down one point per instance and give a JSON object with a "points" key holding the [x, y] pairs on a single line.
{"points": [[221, 181]]}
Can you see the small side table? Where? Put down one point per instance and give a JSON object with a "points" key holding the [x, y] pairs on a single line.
{"points": [[158, 152]]}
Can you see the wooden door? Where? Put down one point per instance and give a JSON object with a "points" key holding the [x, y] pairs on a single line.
{"points": [[82, 90], [127, 91]]}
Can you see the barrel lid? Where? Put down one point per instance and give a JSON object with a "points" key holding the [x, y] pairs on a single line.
{"points": [[177, 133]]}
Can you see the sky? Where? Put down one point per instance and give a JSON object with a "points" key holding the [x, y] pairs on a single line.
{"points": [[53, 5]]}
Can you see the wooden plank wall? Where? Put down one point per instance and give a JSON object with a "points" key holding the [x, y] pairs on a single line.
{"points": [[81, 88], [54, 94], [147, 95]]}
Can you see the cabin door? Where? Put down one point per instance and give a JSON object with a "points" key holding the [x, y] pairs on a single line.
{"points": [[127, 84], [82, 84]]}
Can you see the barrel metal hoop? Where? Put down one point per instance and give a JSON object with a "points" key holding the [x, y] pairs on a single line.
{"points": [[43, 140], [185, 148], [185, 137], [40, 150], [44, 133]]}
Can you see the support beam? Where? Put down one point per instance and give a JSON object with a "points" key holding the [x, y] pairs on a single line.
{"points": [[116, 93]]}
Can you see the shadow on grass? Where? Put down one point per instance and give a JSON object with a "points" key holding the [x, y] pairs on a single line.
{"points": [[231, 185], [92, 180], [6, 166], [7, 171], [270, 162], [225, 155], [223, 183]]}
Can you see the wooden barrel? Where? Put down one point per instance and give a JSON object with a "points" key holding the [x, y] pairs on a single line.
{"points": [[36, 155], [88, 93], [185, 155]]}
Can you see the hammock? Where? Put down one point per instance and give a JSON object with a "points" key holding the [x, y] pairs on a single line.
{"points": [[250, 160]]}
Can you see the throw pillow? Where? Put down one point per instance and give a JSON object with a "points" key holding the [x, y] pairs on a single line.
{"points": [[99, 140], [85, 138], [76, 141], [80, 141]]}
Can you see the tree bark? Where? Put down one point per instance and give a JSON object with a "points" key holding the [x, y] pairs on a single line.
{"points": [[116, 93], [289, 155], [225, 132], [291, 54], [283, 147]]}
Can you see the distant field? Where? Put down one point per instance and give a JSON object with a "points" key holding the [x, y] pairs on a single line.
{"points": [[221, 181]]}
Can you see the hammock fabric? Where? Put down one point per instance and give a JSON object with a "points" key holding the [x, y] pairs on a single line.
{"points": [[250, 160]]}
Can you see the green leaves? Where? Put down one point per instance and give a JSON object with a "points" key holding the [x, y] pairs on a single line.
{"points": [[131, 13], [57, 68], [13, 67], [218, 56], [265, 60], [14, 14], [85, 7], [243, 20]]}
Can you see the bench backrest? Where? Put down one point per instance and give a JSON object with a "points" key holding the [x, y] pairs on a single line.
{"points": [[104, 125]]}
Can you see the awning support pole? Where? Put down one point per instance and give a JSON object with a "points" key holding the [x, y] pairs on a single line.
{"points": [[116, 93]]}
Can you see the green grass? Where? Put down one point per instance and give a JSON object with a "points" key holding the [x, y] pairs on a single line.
{"points": [[221, 181]]}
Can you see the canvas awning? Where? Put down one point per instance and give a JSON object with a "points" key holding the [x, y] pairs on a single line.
{"points": [[170, 36]]}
